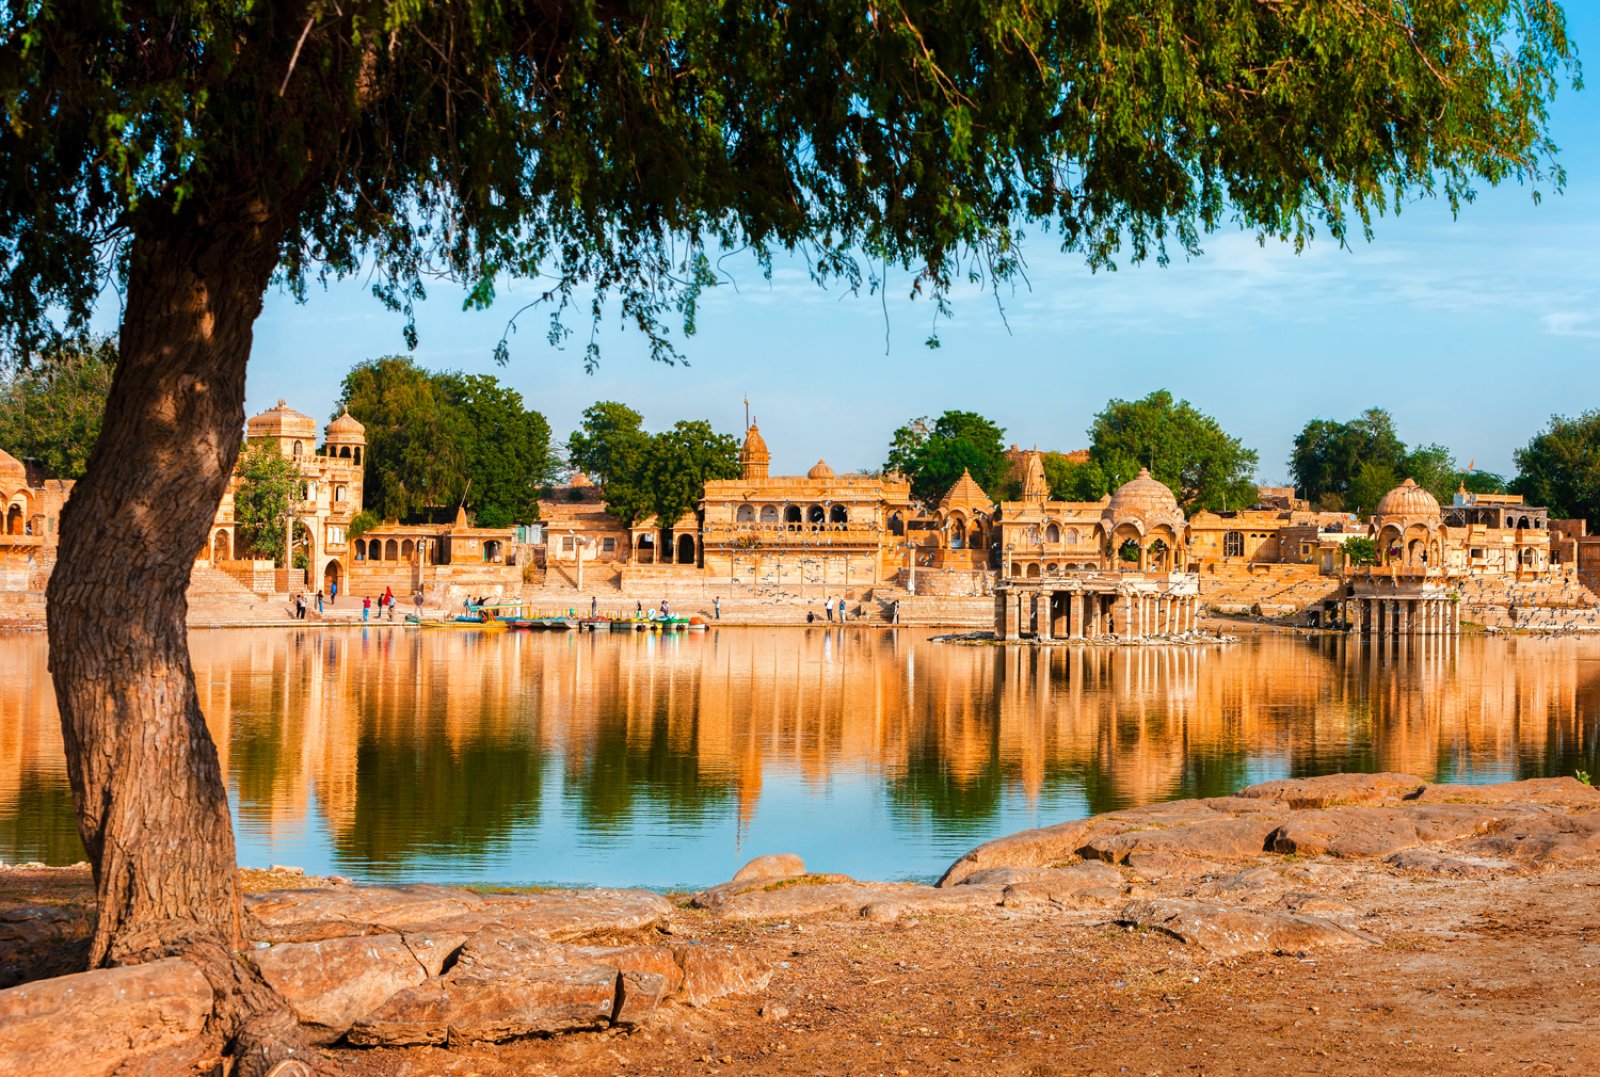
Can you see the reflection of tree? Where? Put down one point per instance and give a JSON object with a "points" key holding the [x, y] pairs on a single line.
{"points": [[41, 823], [636, 762], [432, 797]]}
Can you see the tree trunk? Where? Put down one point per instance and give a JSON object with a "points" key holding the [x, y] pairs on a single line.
{"points": [[151, 802]]}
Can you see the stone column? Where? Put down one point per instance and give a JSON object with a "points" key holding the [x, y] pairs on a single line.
{"points": [[1075, 612], [1455, 618], [1002, 606]]}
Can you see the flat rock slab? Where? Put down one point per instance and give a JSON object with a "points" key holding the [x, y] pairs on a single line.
{"points": [[388, 906], [443, 1011], [716, 897], [1332, 789], [1541, 839], [1208, 838], [1028, 849], [97, 1023], [333, 983], [1567, 792], [1231, 932], [1426, 862], [571, 914], [1382, 832]]}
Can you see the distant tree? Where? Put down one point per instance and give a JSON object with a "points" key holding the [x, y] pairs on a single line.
{"points": [[679, 462], [416, 450], [267, 481], [1183, 447], [932, 456], [608, 441], [1074, 480], [1360, 552], [1328, 456], [50, 411], [505, 448], [361, 523], [1560, 467], [1350, 466], [642, 474]]}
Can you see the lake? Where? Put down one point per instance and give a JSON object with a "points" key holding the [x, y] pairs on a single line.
{"points": [[668, 762]]}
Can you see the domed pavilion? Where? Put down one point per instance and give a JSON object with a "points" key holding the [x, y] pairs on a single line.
{"points": [[1408, 526], [1145, 527]]}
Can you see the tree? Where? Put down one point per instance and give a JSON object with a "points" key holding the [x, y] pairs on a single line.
{"points": [[1074, 480], [198, 150], [680, 461], [1560, 467], [436, 439], [1182, 447], [505, 448], [642, 474], [50, 412], [932, 456], [267, 480], [1360, 552], [1350, 466]]}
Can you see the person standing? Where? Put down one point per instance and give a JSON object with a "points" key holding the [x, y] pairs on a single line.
{"points": [[827, 607], [319, 602], [333, 591], [594, 607], [716, 607], [418, 601], [299, 606], [390, 606], [366, 608], [894, 612]]}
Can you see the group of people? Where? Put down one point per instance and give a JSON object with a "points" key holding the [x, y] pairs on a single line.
{"points": [[385, 605]]}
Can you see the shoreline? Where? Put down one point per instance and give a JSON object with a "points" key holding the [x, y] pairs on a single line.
{"points": [[1359, 923]]}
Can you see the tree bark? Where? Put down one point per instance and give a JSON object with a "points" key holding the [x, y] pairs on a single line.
{"points": [[151, 801]]}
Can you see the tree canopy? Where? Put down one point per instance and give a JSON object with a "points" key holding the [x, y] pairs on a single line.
{"points": [[433, 439], [642, 474], [1561, 467], [267, 479], [933, 455], [50, 412], [1183, 447], [1349, 466], [618, 144]]}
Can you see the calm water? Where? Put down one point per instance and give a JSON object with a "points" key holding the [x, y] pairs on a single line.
{"points": [[636, 760]]}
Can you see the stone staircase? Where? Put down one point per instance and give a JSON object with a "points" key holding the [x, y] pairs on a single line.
{"points": [[216, 598], [1281, 591], [1545, 604]]}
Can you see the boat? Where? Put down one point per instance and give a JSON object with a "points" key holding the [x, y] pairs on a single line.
{"points": [[595, 624]]}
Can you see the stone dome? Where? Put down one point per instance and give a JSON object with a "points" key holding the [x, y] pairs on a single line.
{"points": [[347, 426], [12, 473], [819, 470], [1408, 500], [753, 441], [282, 421], [1143, 498]]}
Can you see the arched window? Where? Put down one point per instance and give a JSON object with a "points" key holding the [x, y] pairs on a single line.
{"points": [[391, 550], [769, 514], [407, 549], [745, 514], [221, 548], [1233, 544], [685, 550], [791, 514], [1522, 524], [1033, 571], [341, 493], [298, 450], [361, 549], [815, 515], [1070, 536], [897, 525], [1052, 534], [358, 454], [838, 515], [344, 452], [14, 523]]}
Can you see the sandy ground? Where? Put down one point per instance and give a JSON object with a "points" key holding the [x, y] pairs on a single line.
{"points": [[1486, 976]]}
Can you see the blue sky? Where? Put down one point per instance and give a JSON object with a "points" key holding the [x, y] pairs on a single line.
{"points": [[1472, 332]]}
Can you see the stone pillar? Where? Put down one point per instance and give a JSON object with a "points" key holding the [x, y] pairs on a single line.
{"points": [[1406, 613], [1455, 618], [1002, 607], [1075, 615]]}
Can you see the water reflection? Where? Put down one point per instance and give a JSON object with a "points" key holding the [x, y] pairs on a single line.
{"points": [[642, 760]]}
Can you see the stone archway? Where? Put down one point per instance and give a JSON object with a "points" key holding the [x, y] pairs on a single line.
{"points": [[221, 546], [332, 577], [685, 554]]}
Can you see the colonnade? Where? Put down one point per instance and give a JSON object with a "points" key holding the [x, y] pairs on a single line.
{"points": [[1051, 614], [1405, 616]]}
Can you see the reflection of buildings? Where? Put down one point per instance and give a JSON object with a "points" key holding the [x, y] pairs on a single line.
{"points": [[400, 747]]}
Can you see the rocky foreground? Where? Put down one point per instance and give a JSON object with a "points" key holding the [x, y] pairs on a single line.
{"points": [[1446, 928]]}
